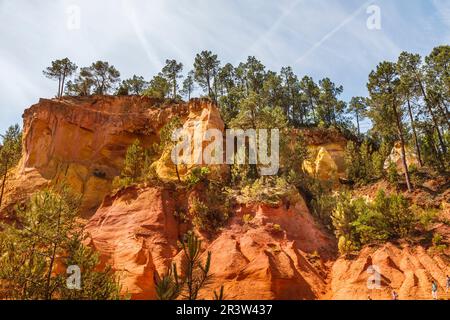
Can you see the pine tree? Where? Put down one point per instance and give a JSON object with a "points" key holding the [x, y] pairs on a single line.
{"points": [[358, 107], [10, 153], [196, 274], [159, 87], [311, 93], [134, 162], [104, 76], [46, 239], [385, 105], [166, 138], [330, 108], [60, 70], [171, 72], [188, 85], [136, 84], [205, 68]]}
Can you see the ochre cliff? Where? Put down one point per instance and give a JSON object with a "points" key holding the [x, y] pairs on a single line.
{"points": [[326, 154], [83, 142], [279, 252], [395, 158], [377, 271], [136, 232]]}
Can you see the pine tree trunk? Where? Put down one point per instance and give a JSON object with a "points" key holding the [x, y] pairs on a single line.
{"points": [[402, 143], [178, 174], [433, 117], [313, 109], [4, 182], [62, 86], [59, 87], [413, 127], [48, 293], [357, 122], [208, 82], [444, 111], [174, 88]]}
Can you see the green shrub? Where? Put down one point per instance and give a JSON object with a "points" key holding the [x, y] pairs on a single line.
{"points": [[247, 218], [197, 175], [195, 273], [343, 217], [346, 246], [269, 191], [392, 174], [396, 213], [205, 218], [370, 226], [277, 228], [49, 237], [137, 167], [437, 239], [387, 217], [438, 244], [322, 207], [121, 183], [210, 212], [426, 216]]}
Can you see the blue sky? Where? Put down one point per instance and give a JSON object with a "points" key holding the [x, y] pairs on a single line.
{"points": [[321, 38]]}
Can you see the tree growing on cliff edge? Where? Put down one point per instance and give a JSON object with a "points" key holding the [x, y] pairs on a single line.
{"points": [[188, 85], [82, 85], [310, 91], [100, 78], [437, 80], [358, 107], [60, 70], [330, 109], [135, 85], [159, 87], [48, 241], [206, 66], [171, 72], [104, 76], [10, 152], [385, 106]]}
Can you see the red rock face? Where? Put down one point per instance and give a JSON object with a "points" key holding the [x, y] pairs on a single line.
{"points": [[407, 270], [136, 232], [280, 254]]}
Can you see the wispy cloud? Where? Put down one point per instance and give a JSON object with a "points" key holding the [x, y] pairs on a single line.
{"points": [[335, 30], [320, 38]]}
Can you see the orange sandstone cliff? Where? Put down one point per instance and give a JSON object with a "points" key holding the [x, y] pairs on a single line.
{"points": [[281, 253]]}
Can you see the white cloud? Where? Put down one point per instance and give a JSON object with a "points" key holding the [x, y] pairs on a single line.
{"points": [[329, 37]]}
